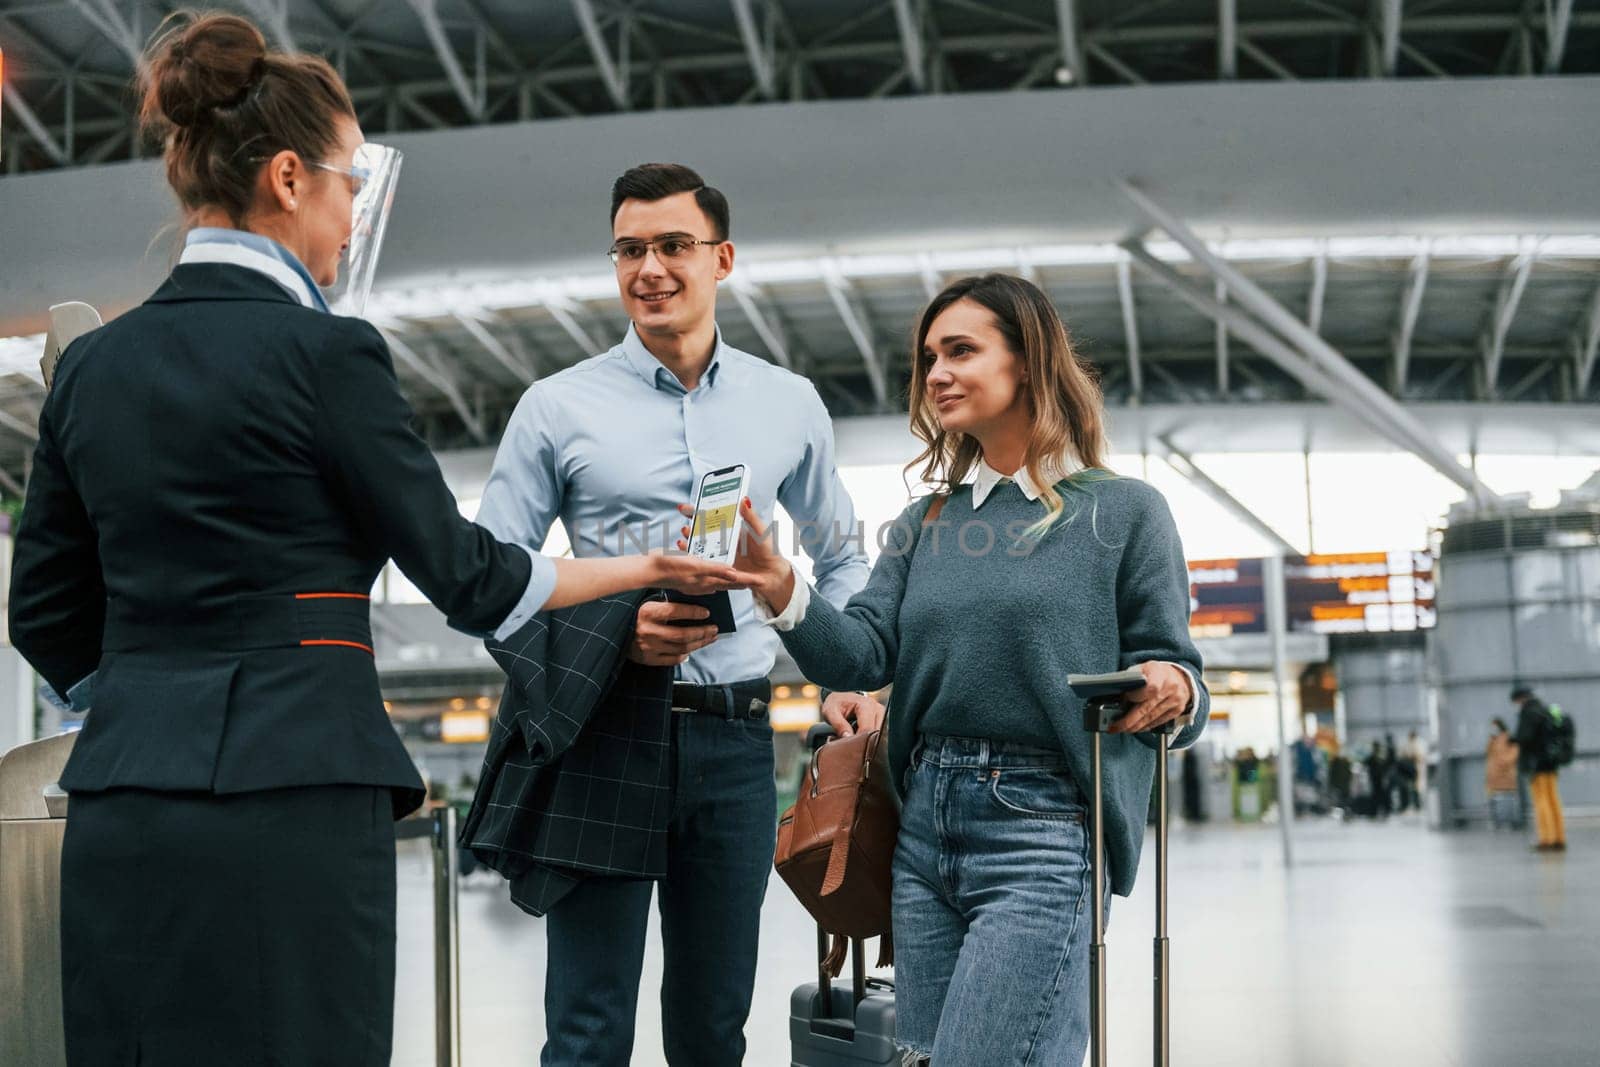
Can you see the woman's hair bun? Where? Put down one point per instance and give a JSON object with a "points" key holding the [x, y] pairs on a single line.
{"points": [[199, 63]]}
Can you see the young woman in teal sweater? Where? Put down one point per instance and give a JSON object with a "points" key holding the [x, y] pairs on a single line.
{"points": [[1040, 563]]}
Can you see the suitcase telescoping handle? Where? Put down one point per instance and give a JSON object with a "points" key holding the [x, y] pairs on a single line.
{"points": [[1102, 706]]}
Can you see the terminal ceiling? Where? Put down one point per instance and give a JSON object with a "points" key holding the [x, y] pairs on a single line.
{"points": [[1440, 291]]}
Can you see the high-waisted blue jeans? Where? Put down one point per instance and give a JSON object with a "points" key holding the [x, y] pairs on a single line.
{"points": [[991, 906]]}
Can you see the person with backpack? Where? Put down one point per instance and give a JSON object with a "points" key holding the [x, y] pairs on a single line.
{"points": [[1547, 740]]}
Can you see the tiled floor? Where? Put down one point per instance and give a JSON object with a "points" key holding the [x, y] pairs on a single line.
{"points": [[1386, 944]]}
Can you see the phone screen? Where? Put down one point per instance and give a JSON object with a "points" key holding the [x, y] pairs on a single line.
{"points": [[715, 532]]}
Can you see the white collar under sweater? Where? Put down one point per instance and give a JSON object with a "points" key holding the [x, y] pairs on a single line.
{"points": [[986, 478]]}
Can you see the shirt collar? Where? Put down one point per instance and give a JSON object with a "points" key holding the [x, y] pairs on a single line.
{"points": [[208, 244], [655, 373], [987, 478]]}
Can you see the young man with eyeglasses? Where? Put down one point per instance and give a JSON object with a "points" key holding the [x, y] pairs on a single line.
{"points": [[613, 446]]}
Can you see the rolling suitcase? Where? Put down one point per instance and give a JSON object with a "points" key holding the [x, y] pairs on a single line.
{"points": [[830, 1026], [1102, 706]]}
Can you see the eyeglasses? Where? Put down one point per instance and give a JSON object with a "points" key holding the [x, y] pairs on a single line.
{"points": [[669, 248], [358, 175]]}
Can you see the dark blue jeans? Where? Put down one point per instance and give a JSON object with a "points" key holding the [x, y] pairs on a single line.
{"points": [[722, 832], [991, 907]]}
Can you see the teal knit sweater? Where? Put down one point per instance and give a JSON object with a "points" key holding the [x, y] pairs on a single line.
{"points": [[978, 630]]}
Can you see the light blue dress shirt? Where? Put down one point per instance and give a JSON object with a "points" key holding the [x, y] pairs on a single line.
{"points": [[613, 445]]}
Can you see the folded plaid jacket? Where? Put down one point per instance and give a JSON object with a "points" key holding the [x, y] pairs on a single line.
{"points": [[577, 778]]}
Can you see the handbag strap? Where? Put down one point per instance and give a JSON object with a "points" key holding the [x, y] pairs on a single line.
{"points": [[934, 509], [839, 851]]}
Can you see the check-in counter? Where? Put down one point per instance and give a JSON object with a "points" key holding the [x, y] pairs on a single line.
{"points": [[33, 820]]}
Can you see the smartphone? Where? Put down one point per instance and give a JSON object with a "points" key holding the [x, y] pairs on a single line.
{"points": [[714, 533]]}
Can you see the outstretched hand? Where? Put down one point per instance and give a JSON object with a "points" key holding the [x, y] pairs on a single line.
{"points": [[759, 566]]}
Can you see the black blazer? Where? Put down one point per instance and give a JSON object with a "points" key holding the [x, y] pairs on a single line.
{"points": [[221, 473]]}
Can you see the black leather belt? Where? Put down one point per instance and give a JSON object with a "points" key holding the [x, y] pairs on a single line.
{"points": [[275, 620], [739, 700]]}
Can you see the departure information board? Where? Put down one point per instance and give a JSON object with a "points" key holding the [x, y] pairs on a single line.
{"points": [[1354, 592]]}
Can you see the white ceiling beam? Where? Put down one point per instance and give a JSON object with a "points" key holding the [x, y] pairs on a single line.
{"points": [[611, 74], [761, 56], [1025, 266], [1417, 56], [847, 304], [1558, 20], [104, 17], [20, 427], [566, 314], [1181, 462], [766, 325], [1586, 343], [274, 14], [1221, 342], [1070, 31], [1122, 70], [519, 369], [36, 129], [472, 97], [1391, 37], [1261, 56], [907, 16], [1130, 327], [932, 283], [1227, 39], [1506, 301], [1410, 308], [1319, 289], [1247, 329], [437, 377], [1356, 387]]}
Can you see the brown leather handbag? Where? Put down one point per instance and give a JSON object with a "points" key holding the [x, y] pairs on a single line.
{"points": [[836, 844]]}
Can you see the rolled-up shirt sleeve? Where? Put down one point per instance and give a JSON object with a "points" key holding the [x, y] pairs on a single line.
{"points": [[541, 583]]}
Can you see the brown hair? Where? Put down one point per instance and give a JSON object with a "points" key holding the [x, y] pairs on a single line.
{"points": [[1062, 390], [222, 104], [657, 181]]}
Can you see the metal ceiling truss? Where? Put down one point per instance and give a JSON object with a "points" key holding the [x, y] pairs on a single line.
{"points": [[1404, 320], [1330, 372], [459, 67]]}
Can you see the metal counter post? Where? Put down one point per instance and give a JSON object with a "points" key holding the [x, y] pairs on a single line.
{"points": [[439, 827], [447, 939]]}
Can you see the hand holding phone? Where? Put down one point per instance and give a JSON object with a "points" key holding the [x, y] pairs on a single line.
{"points": [[713, 534], [714, 530]]}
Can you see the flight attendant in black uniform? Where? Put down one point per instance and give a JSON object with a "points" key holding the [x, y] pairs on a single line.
{"points": [[220, 476]]}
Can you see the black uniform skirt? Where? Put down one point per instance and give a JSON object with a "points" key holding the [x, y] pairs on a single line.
{"points": [[253, 930]]}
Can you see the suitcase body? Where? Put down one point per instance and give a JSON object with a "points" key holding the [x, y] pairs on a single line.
{"points": [[846, 1033]]}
